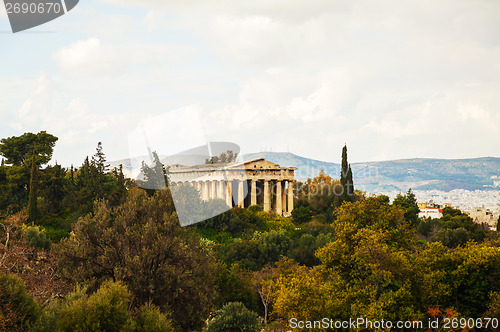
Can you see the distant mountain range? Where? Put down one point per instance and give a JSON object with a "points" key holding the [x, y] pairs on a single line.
{"points": [[381, 176], [418, 174]]}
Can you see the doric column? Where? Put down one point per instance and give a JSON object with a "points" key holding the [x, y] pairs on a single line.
{"points": [[290, 196], [253, 193], [279, 199], [241, 195], [229, 194], [267, 198], [283, 197], [205, 185], [213, 191], [221, 190], [199, 187]]}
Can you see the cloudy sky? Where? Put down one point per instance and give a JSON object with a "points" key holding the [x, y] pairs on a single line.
{"points": [[392, 79]]}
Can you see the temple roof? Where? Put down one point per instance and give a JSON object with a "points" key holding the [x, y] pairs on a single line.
{"points": [[258, 163]]}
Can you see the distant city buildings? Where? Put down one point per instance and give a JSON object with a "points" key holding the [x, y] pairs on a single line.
{"points": [[483, 206], [482, 215], [464, 200], [431, 212]]}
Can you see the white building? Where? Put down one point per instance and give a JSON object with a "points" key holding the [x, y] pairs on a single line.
{"points": [[431, 212]]}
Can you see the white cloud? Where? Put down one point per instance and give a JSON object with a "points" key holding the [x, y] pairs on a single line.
{"points": [[90, 57], [96, 58], [472, 112], [76, 124], [292, 10], [389, 79], [153, 19], [39, 103]]}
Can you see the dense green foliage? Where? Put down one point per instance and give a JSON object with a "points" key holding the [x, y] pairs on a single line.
{"points": [[408, 203], [36, 238], [61, 196], [31, 151], [233, 316], [141, 244], [100, 254], [105, 310], [18, 309], [453, 229]]}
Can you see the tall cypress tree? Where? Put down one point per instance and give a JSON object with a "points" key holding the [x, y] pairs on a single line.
{"points": [[350, 183], [33, 194], [346, 178], [72, 175]]}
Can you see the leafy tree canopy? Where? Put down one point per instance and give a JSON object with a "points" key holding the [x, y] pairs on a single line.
{"points": [[28, 148], [408, 203], [234, 316], [141, 244]]}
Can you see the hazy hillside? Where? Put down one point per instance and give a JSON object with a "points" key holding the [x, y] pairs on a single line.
{"points": [[421, 174]]}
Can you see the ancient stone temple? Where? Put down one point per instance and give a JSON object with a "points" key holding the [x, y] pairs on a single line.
{"points": [[253, 182]]}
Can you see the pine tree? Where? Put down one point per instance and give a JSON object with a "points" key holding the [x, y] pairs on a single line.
{"points": [[120, 192], [408, 203], [84, 185], [99, 160], [155, 177], [55, 188], [95, 182], [30, 151]]}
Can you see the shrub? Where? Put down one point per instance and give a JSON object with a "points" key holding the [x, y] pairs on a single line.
{"points": [[254, 208], [151, 319], [301, 214], [234, 316], [105, 310], [37, 238], [18, 309], [273, 244]]}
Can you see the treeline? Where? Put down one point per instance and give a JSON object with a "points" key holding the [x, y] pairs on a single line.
{"points": [[101, 254], [54, 197]]}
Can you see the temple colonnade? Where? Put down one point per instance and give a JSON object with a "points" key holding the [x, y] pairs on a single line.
{"points": [[255, 182]]}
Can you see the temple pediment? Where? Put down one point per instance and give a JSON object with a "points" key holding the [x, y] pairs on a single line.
{"points": [[259, 163]]}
